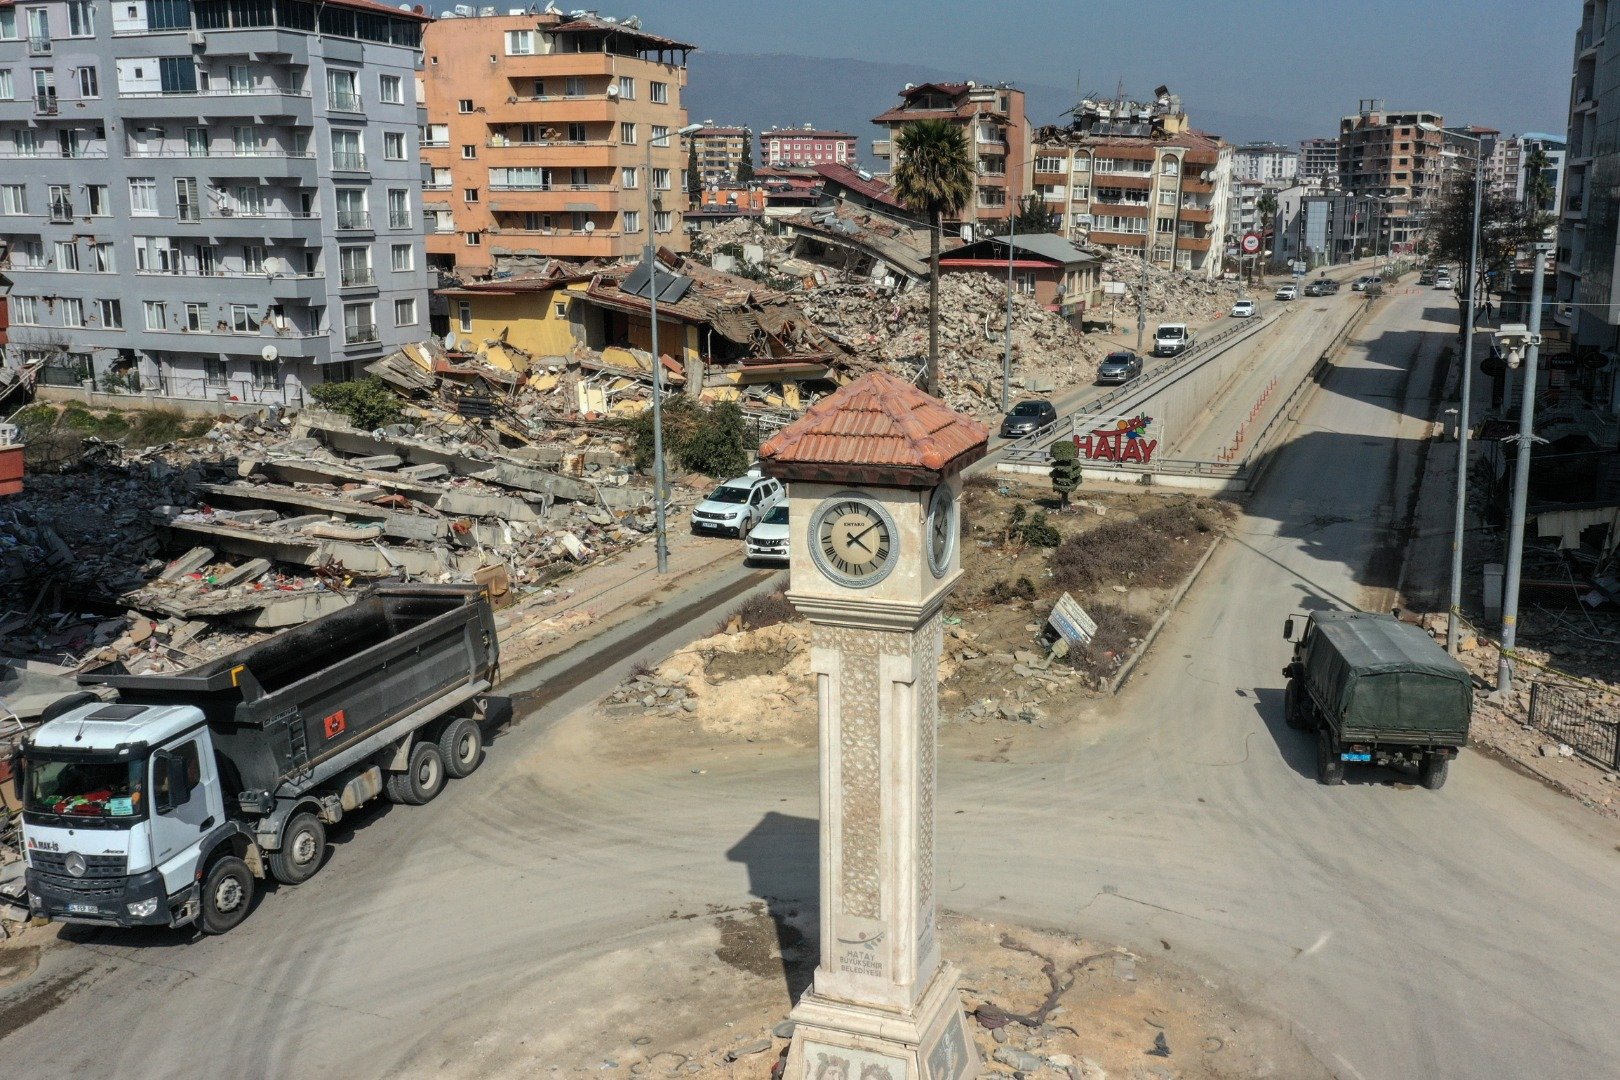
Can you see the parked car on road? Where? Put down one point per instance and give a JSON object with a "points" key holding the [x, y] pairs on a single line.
{"points": [[1361, 283], [1322, 287], [769, 540], [1118, 367], [1028, 417], [1172, 338], [736, 506], [1287, 292], [1243, 309]]}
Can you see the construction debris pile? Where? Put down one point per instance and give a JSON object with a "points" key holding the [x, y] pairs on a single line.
{"points": [[890, 330], [1171, 294]]}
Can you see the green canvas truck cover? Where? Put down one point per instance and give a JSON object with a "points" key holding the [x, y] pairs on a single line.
{"points": [[1380, 676]]}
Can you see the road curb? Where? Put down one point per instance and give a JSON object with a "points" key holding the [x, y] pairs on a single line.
{"points": [[1164, 617]]}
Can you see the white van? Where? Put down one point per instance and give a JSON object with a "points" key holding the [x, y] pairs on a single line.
{"points": [[1171, 338]]}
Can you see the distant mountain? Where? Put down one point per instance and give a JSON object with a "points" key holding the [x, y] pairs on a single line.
{"points": [[760, 91]]}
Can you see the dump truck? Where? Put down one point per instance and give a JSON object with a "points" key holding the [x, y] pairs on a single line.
{"points": [[1375, 691], [168, 806]]}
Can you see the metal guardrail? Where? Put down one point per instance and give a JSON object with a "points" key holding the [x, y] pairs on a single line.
{"points": [[1033, 448], [1586, 719]]}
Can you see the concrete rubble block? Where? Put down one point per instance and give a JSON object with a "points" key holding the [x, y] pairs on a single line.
{"points": [[411, 527], [189, 563], [377, 462], [526, 479], [247, 572], [1020, 1060], [433, 471], [464, 503]]}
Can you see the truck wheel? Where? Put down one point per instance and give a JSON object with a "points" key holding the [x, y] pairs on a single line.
{"points": [[303, 846], [424, 777], [1432, 772], [396, 788], [462, 747], [1291, 708], [1329, 766], [227, 893]]}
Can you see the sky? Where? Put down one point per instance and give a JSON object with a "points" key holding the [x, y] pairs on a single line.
{"points": [[1245, 69]]}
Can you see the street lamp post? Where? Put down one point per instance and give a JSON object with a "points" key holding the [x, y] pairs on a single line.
{"points": [[660, 525], [1006, 354], [1531, 339], [1460, 511]]}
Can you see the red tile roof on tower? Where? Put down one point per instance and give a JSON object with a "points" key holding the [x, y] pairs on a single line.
{"points": [[878, 429]]}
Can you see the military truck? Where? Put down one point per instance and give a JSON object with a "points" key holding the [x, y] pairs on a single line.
{"points": [[168, 807], [1376, 691]]}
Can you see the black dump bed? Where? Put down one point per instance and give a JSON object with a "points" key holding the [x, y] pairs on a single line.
{"points": [[294, 709], [1380, 679]]}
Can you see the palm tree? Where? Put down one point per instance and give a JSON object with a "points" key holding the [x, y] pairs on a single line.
{"points": [[1264, 208], [935, 172], [1538, 190]]}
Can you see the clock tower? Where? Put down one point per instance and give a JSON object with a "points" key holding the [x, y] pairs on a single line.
{"points": [[874, 485]]}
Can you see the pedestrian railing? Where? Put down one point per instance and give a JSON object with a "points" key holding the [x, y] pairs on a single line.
{"points": [[1585, 718]]}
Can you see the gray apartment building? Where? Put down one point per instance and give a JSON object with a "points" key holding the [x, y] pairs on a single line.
{"points": [[211, 198]]}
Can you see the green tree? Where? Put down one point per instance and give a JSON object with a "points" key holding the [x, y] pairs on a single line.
{"points": [[1265, 208], [369, 403], [935, 173], [1033, 216], [1538, 189], [1505, 225], [712, 440], [694, 181], [1065, 470], [745, 171]]}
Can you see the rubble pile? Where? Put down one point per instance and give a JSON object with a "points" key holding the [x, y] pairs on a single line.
{"points": [[883, 328], [1173, 295]]}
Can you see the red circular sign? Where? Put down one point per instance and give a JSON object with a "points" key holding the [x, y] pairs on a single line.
{"points": [[1251, 243]]}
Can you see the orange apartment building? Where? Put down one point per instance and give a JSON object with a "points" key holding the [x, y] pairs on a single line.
{"points": [[998, 132], [537, 138], [1137, 178]]}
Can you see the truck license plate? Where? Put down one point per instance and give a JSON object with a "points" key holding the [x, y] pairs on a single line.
{"points": [[84, 909], [1348, 756]]}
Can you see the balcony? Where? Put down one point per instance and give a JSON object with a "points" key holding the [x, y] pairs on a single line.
{"points": [[265, 42], [343, 101], [398, 220], [61, 212], [267, 101], [362, 334], [205, 152], [45, 105], [348, 161], [52, 152], [351, 220], [356, 277]]}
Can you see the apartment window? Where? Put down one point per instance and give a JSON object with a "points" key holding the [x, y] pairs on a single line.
{"points": [[399, 208], [402, 257], [246, 141], [61, 202], [630, 178], [359, 323], [351, 208], [8, 87], [660, 93], [264, 374], [187, 207], [243, 321], [25, 142], [632, 221], [440, 179], [252, 259], [215, 372], [520, 43], [627, 134], [469, 151], [660, 132], [660, 179], [663, 220], [348, 151], [196, 317], [13, 198], [248, 200], [473, 239], [24, 311], [89, 83], [112, 314], [464, 316], [576, 133], [72, 311], [405, 312], [1167, 198], [143, 196], [354, 266], [465, 105], [67, 255], [1050, 165], [391, 89], [574, 86], [102, 259], [436, 135], [81, 18], [627, 88]]}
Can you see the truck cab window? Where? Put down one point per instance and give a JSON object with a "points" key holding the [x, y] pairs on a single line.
{"points": [[187, 753]]}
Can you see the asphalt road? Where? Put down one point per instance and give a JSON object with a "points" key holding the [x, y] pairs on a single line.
{"points": [[1402, 932]]}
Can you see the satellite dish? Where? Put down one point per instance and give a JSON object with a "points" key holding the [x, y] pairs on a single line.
{"points": [[613, 90], [268, 353], [590, 227], [272, 265], [450, 340]]}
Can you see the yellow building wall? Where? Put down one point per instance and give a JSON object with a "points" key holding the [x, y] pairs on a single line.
{"points": [[529, 320]]}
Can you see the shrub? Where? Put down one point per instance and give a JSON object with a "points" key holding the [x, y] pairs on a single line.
{"points": [[1038, 533], [709, 439], [368, 403], [1066, 476], [1120, 551], [1004, 591], [767, 609]]}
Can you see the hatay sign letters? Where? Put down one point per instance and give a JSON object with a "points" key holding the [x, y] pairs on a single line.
{"points": [[1125, 440]]}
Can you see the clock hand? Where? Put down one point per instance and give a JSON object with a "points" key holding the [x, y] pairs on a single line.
{"points": [[855, 538]]}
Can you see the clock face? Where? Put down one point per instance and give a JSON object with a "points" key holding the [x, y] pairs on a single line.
{"points": [[852, 540], [942, 530]]}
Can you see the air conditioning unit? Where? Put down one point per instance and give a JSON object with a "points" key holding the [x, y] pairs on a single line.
{"points": [[197, 37]]}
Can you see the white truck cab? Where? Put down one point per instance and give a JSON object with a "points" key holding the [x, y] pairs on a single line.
{"points": [[1171, 338]]}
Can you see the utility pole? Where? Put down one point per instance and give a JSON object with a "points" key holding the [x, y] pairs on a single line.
{"points": [[1141, 295], [660, 533], [1521, 480], [1460, 513], [1006, 356]]}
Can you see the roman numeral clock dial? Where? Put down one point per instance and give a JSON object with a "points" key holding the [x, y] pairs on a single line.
{"points": [[852, 540]]}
